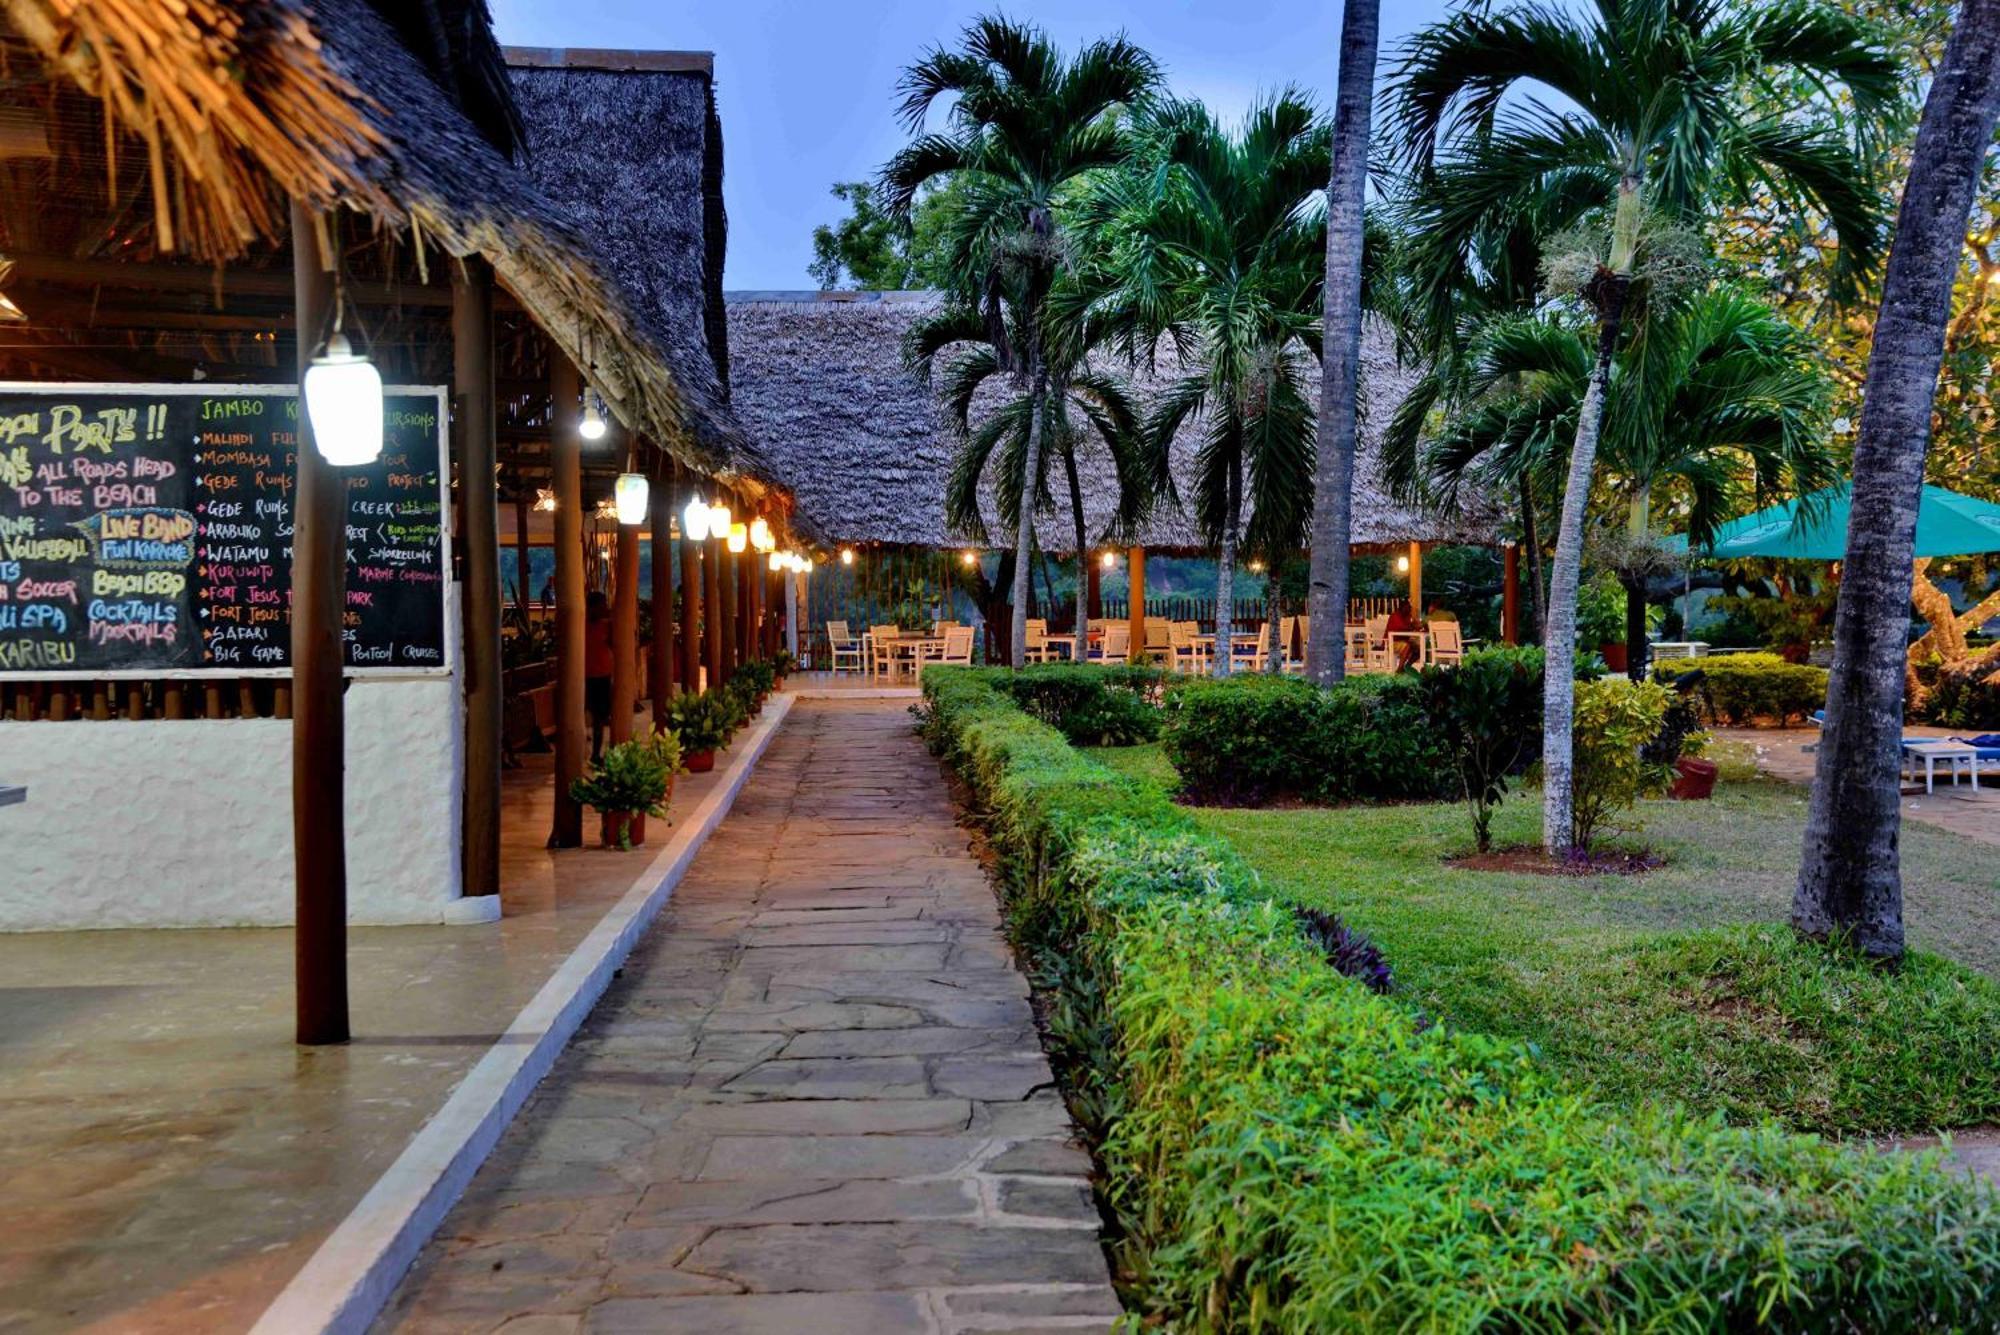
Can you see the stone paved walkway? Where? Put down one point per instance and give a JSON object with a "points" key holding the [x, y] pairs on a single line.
{"points": [[814, 1101]]}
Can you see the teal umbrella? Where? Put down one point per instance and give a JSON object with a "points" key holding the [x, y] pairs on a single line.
{"points": [[1814, 528]]}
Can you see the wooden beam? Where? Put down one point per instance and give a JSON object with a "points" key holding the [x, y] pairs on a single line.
{"points": [[319, 722], [730, 600], [1135, 572], [572, 742], [712, 605], [479, 538], [156, 276], [624, 632], [691, 584], [1417, 581]]}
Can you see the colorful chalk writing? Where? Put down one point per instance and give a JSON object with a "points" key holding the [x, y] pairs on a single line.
{"points": [[148, 530]]}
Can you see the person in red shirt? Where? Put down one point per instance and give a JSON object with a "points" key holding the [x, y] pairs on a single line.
{"points": [[597, 662], [1402, 620]]}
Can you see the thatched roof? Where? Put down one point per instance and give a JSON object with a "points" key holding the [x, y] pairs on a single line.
{"points": [[243, 103], [818, 378]]}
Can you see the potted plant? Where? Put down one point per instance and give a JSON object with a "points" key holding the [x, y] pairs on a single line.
{"points": [[1677, 750], [1600, 619], [632, 781], [701, 722], [783, 666]]}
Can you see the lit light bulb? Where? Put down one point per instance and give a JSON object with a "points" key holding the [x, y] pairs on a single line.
{"points": [[344, 404], [545, 499], [592, 426], [1108, 560], [630, 492], [718, 520], [777, 562], [847, 556], [739, 537], [969, 557], [694, 520], [760, 535], [1403, 564]]}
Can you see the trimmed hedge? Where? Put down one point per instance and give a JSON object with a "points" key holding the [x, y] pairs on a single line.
{"points": [[1091, 706], [1253, 737], [1288, 1151], [1748, 688]]}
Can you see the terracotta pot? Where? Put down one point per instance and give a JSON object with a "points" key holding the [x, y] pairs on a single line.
{"points": [[1697, 779], [1614, 656], [700, 762], [614, 827]]}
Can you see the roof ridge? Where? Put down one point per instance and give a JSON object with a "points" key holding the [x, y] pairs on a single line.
{"points": [[610, 59]]}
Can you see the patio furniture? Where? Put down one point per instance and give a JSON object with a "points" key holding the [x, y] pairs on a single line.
{"points": [[1420, 640], [883, 659], [1189, 654], [1447, 644], [1359, 659], [845, 647], [1957, 757], [1037, 650], [954, 646], [12, 796], [1290, 656], [1988, 747], [1679, 649], [1158, 634], [1247, 651], [1116, 646], [1379, 657]]}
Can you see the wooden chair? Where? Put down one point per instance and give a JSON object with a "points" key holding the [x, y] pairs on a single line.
{"points": [[1187, 655], [1291, 645], [1247, 655], [956, 649], [1358, 657], [1117, 643], [882, 659], [1158, 634], [845, 647], [1038, 649], [1447, 643], [1380, 658]]}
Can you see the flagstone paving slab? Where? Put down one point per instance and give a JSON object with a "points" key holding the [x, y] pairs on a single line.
{"points": [[813, 1101]]}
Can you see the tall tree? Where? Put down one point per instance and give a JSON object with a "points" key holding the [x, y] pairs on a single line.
{"points": [[1850, 878], [1652, 127], [1089, 406], [1024, 123], [869, 251], [1340, 351], [1217, 247]]}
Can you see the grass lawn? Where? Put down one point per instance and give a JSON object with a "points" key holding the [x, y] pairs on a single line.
{"points": [[1682, 982]]}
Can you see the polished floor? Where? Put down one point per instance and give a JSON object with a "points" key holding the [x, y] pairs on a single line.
{"points": [[171, 1158]]}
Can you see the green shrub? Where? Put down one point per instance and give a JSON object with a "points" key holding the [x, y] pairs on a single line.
{"points": [[1287, 1151], [1747, 688], [1614, 718], [1253, 737], [1091, 706], [702, 720], [632, 777], [1488, 710], [1962, 700]]}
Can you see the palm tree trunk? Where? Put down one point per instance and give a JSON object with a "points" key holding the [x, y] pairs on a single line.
{"points": [[1850, 879], [1082, 554], [1635, 588], [1225, 567], [1340, 370], [1024, 531], [1274, 658], [1559, 656], [1532, 540]]}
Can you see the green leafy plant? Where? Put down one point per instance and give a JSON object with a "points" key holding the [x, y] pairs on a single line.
{"points": [[1488, 709], [701, 721], [1288, 1151], [1742, 689], [1600, 611], [631, 778], [1614, 718], [1093, 706]]}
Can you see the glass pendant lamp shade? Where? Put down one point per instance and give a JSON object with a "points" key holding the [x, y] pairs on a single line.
{"points": [[760, 535], [739, 537], [630, 493], [694, 520], [344, 404]]}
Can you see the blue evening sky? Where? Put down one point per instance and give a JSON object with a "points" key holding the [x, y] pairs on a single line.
{"points": [[807, 87]]}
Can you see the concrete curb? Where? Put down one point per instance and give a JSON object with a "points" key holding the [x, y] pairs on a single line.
{"points": [[345, 1284]]}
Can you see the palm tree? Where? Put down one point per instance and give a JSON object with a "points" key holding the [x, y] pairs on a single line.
{"points": [[1214, 244], [1340, 366], [1849, 878], [1089, 404], [1650, 125], [1717, 404], [1024, 123]]}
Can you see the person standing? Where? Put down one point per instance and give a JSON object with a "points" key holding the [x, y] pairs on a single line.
{"points": [[597, 665]]}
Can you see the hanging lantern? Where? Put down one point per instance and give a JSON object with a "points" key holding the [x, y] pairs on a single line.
{"points": [[592, 427], [739, 537], [694, 520], [630, 493], [344, 404], [760, 535], [1403, 565], [777, 562], [545, 499], [1108, 560], [847, 556], [607, 509], [718, 520], [969, 557]]}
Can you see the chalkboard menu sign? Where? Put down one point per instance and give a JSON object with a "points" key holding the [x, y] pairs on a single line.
{"points": [[146, 530]]}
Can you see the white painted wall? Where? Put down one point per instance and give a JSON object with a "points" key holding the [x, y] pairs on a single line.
{"points": [[150, 823]]}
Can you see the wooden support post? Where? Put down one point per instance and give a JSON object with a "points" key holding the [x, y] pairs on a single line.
{"points": [[1510, 594], [1135, 572], [729, 594], [753, 604], [173, 701], [1417, 581], [1093, 599], [479, 546], [566, 468], [691, 604], [712, 610], [660, 519], [624, 633], [524, 592], [319, 721]]}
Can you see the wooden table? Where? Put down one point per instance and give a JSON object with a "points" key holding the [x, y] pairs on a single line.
{"points": [[1957, 756]]}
